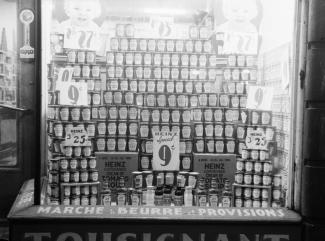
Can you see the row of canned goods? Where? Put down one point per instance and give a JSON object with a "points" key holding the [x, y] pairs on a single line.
{"points": [[73, 176], [145, 161], [53, 190], [85, 71], [160, 45], [251, 192], [85, 113], [253, 166], [149, 178], [255, 155], [75, 200], [188, 115], [180, 73], [166, 59], [251, 203], [256, 179], [233, 87], [172, 100], [217, 145], [116, 143], [57, 145], [167, 86], [77, 162], [81, 56]]}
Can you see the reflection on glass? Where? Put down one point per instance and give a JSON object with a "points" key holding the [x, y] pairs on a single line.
{"points": [[8, 83]]}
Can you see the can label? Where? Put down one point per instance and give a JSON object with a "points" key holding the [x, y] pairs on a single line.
{"points": [[186, 131], [186, 116], [143, 44], [151, 86], [184, 74], [179, 45], [209, 130], [175, 60], [219, 146], [151, 45], [160, 86], [155, 115], [139, 72], [200, 145], [151, 100]]}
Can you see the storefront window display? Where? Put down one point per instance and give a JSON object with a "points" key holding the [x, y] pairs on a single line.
{"points": [[152, 105]]}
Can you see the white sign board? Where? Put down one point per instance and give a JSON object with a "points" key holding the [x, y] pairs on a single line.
{"points": [[256, 140], [240, 43], [73, 93], [165, 151], [260, 98], [64, 75], [77, 136], [81, 38]]}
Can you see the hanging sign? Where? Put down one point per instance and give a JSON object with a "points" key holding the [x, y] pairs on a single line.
{"points": [[165, 151], [72, 93], [26, 17], [256, 140], [260, 98], [77, 136]]}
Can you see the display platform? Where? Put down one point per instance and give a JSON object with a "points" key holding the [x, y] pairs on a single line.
{"points": [[37, 223]]}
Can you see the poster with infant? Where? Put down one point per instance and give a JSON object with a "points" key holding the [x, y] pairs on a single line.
{"points": [[237, 22]]}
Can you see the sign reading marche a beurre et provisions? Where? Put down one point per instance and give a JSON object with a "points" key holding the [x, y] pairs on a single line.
{"points": [[165, 151], [77, 136], [112, 166], [220, 166], [256, 140]]}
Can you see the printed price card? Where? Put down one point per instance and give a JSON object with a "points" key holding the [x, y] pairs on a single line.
{"points": [[256, 140], [73, 93], [77, 136], [165, 151]]}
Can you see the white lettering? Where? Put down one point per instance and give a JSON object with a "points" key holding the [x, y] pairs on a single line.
{"points": [[178, 211], [221, 212], [79, 210], [239, 212], [260, 212], [99, 210], [164, 236], [212, 212], [167, 211], [270, 212], [107, 236], [202, 211], [65, 236], [185, 237], [126, 236], [90, 210], [155, 211], [253, 212], [222, 237], [67, 210], [56, 210], [144, 211], [246, 212], [133, 210], [231, 212], [122, 210], [42, 209], [37, 236], [276, 237], [280, 213]]}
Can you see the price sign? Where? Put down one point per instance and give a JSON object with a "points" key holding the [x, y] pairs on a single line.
{"points": [[165, 151], [240, 43], [260, 98], [78, 38], [256, 140], [73, 93], [77, 136], [64, 75]]}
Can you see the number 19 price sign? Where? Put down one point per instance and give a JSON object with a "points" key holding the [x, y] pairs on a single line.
{"points": [[256, 140], [165, 151]]}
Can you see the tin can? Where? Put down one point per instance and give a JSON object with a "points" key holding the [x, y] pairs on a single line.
{"points": [[248, 203], [238, 191], [230, 145], [64, 176], [209, 142], [122, 128], [100, 144], [143, 45], [199, 144], [256, 193], [111, 128], [194, 32], [239, 178], [277, 181], [83, 163], [75, 200], [182, 100], [175, 60], [267, 167], [257, 179], [224, 100], [219, 130], [198, 129], [84, 190], [93, 175], [147, 178], [121, 144], [247, 192], [93, 189], [207, 46], [248, 166], [161, 45], [145, 162], [86, 151], [276, 194], [238, 202], [220, 145], [144, 130], [248, 178], [155, 115], [192, 179], [266, 180], [185, 162], [133, 128], [182, 146], [265, 193], [257, 167], [151, 45], [179, 46], [256, 203], [240, 165], [208, 130], [189, 46], [132, 144], [198, 46]]}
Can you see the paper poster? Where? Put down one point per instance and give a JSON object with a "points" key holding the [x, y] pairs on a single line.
{"points": [[72, 93], [260, 98], [165, 151]]}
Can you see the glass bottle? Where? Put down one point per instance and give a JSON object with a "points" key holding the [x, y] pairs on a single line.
{"points": [[213, 193], [121, 193], [167, 196], [178, 196], [226, 195], [150, 196], [106, 194], [159, 192], [136, 194], [201, 194], [188, 197]]}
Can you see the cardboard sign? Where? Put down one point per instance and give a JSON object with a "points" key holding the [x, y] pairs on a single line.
{"points": [[26, 16], [220, 166], [113, 165], [260, 98], [64, 75], [240, 43], [165, 151], [77, 136], [256, 140], [73, 93], [79, 38]]}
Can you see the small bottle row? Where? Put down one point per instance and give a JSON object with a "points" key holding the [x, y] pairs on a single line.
{"points": [[73, 176], [72, 163]]}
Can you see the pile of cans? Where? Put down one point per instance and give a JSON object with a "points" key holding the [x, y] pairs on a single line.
{"points": [[253, 179]]}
